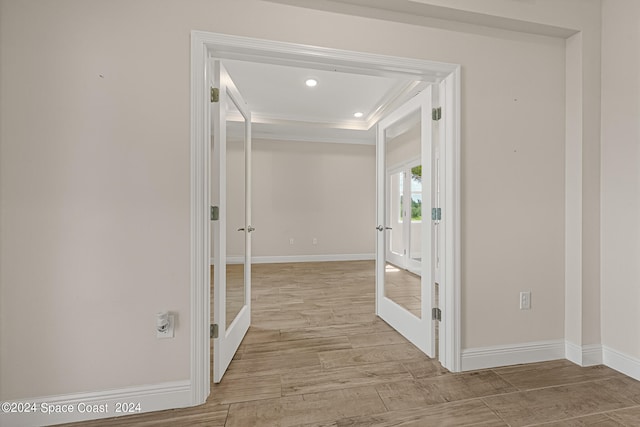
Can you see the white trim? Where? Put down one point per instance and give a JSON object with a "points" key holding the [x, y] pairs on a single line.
{"points": [[592, 355], [451, 295], [322, 58], [278, 259], [223, 46], [156, 397], [621, 362], [393, 99], [260, 135], [311, 258], [573, 352], [505, 355], [587, 355], [200, 224]]}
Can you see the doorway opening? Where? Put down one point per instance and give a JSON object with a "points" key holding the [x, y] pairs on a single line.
{"points": [[205, 45]]}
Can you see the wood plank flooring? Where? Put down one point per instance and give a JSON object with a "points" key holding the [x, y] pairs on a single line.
{"points": [[316, 355]]}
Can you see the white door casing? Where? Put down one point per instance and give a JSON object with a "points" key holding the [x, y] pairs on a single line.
{"points": [[206, 44]]}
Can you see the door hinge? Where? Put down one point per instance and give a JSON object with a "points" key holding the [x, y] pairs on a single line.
{"points": [[215, 213], [436, 214], [215, 94], [436, 113], [213, 330], [436, 314]]}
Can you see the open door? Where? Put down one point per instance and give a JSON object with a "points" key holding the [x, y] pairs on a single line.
{"points": [[404, 247], [231, 217]]}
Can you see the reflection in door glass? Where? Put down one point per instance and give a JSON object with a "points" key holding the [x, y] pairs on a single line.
{"points": [[415, 252], [416, 193], [235, 292], [396, 240], [402, 282], [403, 287]]}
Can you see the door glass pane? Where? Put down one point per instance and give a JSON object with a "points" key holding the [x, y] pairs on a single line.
{"points": [[416, 213], [395, 234], [235, 212], [404, 213]]}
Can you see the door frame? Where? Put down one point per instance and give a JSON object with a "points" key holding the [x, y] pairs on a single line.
{"points": [[222, 46]]}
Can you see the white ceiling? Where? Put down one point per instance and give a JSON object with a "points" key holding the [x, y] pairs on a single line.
{"points": [[283, 107]]}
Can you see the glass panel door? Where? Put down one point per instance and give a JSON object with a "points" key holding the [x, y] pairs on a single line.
{"points": [[235, 289], [403, 251], [231, 178]]}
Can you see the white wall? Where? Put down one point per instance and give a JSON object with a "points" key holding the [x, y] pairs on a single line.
{"points": [[621, 177], [579, 22], [307, 190], [94, 184], [95, 130]]}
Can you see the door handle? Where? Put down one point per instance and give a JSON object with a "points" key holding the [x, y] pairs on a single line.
{"points": [[388, 228], [250, 229], [379, 228], [241, 229]]}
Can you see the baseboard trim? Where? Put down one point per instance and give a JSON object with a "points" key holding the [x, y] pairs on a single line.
{"points": [[573, 352], [301, 258], [586, 355], [154, 397], [592, 355], [493, 357], [621, 362]]}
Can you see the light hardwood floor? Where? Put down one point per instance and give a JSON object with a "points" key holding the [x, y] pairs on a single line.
{"points": [[316, 355]]}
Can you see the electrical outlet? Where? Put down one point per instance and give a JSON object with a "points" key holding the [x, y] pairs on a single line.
{"points": [[291, 241], [166, 332], [315, 240], [525, 300]]}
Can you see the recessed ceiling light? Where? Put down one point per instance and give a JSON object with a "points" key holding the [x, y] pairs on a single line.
{"points": [[358, 114], [311, 82]]}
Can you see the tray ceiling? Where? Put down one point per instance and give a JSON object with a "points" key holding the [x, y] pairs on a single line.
{"points": [[283, 107]]}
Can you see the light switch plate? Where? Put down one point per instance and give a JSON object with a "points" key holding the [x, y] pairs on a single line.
{"points": [[525, 300]]}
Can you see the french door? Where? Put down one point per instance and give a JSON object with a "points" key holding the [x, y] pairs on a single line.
{"points": [[231, 217], [404, 245]]}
